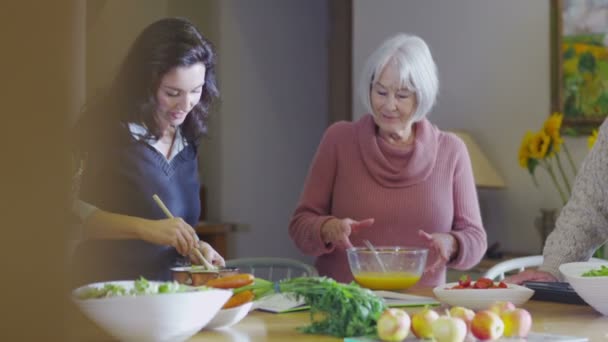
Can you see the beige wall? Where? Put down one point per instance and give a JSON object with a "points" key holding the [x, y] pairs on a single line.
{"points": [[112, 25], [493, 61]]}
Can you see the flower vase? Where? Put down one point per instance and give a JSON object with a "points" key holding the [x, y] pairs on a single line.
{"points": [[545, 223]]}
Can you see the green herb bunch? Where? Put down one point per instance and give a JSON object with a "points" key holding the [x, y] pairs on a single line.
{"points": [[337, 309]]}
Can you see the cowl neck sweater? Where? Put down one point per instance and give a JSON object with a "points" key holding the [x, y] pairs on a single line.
{"points": [[396, 167]]}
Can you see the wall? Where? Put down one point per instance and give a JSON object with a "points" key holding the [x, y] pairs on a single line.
{"points": [[273, 78], [112, 26], [493, 61]]}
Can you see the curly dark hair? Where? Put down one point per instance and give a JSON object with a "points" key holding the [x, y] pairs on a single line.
{"points": [[131, 98]]}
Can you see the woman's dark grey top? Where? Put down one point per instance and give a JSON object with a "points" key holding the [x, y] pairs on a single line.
{"points": [[122, 180]]}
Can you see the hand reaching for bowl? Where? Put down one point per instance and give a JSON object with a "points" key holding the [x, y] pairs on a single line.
{"points": [[444, 245], [337, 231], [529, 275], [171, 231], [209, 254]]}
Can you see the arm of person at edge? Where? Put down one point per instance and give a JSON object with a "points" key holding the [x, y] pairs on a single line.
{"points": [[582, 225], [465, 245], [100, 224], [312, 228]]}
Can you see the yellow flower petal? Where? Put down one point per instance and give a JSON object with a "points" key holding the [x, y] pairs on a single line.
{"points": [[539, 145], [524, 150], [552, 127], [592, 138]]}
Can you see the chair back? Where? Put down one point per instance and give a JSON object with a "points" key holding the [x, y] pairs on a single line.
{"points": [[273, 269], [497, 272]]}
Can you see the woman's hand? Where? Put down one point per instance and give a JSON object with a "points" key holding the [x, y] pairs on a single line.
{"points": [[444, 245], [337, 231], [209, 254], [530, 275], [173, 232]]}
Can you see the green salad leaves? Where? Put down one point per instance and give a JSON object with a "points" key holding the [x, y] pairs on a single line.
{"points": [[141, 286], [597, 272]]}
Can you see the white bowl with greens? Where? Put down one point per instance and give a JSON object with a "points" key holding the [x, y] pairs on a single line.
{"points": [[590, 281], [144, 310]]}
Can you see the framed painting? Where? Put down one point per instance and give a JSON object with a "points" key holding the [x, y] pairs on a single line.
{"points": [[579, 63]]}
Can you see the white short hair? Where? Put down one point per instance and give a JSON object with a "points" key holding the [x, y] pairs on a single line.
{"points": [[417, 70]]}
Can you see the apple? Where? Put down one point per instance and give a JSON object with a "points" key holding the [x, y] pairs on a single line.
{"points": [[517, 322], [421, 323], [463, 313], [487, 325], [393, 325], [501, 306], [449, 329]]}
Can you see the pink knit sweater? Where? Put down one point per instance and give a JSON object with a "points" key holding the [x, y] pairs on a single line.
{"points": [[356, 174]]}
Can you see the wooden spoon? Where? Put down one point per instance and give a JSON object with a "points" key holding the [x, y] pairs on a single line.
{"points": [[195, 251]]}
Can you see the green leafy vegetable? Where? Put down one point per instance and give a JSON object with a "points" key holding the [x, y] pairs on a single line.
{"points": [[597, 272], [141, 286], [342, 310]]}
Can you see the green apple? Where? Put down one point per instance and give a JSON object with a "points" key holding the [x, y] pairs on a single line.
{"points": [[393, 325], [487, 326], [449, 329], [499, 306], [421, 323], [517, 322], [463, 313]]}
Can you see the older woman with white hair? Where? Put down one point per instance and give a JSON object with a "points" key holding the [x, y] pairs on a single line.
{"points": [[392, 177]]}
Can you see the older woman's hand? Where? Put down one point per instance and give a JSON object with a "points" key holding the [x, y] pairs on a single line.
{"points": [[530, 275], [209, 254], [444, 245], [337, 231], [172, 231]]}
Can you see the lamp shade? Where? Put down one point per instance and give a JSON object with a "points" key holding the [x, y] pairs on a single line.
{"points": [[486, 176]]}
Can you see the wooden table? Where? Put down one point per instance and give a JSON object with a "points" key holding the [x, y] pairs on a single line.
{"points": [[548, 317]]}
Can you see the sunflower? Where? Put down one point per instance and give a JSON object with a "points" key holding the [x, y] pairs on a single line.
{"points": [[552, 127], [524, 150], [592, 138], [539, 145]]}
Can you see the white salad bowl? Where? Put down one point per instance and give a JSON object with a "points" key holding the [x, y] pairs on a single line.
{"points": [[228, 317], [152, 317], [593, 290]]}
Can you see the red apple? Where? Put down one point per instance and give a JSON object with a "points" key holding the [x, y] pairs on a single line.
{"points": [[501, 306], [463, 313], [449, 329], [487, 325], [421, 323], [517, 322], [393, 325]]}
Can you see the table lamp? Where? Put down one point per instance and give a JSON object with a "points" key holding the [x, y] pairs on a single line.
{"points": [[486, 176]]}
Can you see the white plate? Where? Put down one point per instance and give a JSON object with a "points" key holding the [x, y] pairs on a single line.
{"points": [[229, 317], [478, 299]]}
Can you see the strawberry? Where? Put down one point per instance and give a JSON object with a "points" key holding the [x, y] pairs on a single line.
{"points": [[464, 281], [483, 283]]}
